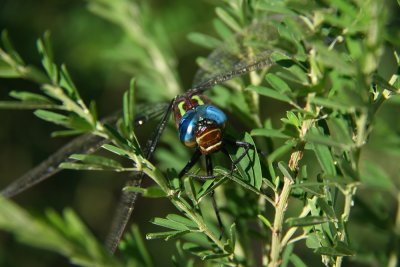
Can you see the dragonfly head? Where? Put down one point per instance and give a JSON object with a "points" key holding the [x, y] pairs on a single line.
{"points": [[209, 136], [186, 102]]}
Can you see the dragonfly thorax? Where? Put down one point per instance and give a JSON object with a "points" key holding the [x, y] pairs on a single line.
{"points": [[199, 124]]}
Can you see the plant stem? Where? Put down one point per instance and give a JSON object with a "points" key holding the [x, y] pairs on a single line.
{"points": [[348, 201], [278, 222], [282, 199], [394, 254]]}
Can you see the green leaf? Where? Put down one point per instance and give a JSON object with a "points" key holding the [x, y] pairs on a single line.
{"points": [[67, 83], [167, 223], [44, 48], [133, 246], [98, 160], [204, 40], [53, 117], [287, 252], [128, 108], [306, 221], [269, 133], [232, 239], [265, 221], [277, 83], [268, 92], [65, 235], [328, 210], [249, 166], [116, 150], [297, 261], [323, 155], [312, 241], [10, 50], [340, 250], [284, 168], [166, 235], [90, 167], [181, 220], [24, 105], [326, 140], [228, 19], [150, 192], [30, 97], [333, 104]]}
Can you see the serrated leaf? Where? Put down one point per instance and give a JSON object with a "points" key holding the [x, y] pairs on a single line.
{"points": [[306, 221]]}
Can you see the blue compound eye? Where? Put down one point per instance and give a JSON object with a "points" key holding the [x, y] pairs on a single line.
{"points": [[215, 114], [187, 126]]}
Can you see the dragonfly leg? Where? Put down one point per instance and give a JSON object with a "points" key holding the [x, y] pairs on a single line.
{"points": [[191, 162], [210, 171]]}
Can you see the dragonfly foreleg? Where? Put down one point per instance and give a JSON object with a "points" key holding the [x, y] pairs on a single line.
{"points": [[191, 162], [209, 168]]}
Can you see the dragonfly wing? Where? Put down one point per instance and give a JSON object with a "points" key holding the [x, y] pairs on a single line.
{"points": [[85, 144], [127, 200], [246, 51]]}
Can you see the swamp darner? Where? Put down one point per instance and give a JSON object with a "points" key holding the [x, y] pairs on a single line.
{"points": [[200, 123]]}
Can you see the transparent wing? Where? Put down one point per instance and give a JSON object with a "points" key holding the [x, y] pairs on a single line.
{"points": [[84, 144], [127, 201], [247, 51]]}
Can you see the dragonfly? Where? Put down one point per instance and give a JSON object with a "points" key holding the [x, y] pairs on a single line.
{"points": [[200, 124]]}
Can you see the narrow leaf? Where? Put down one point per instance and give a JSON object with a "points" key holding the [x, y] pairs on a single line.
{"points": [[306, 221]]}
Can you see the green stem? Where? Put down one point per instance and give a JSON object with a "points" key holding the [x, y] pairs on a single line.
{"points": [[394, 254], [276, 247], [348, 201], [158, 177]]}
